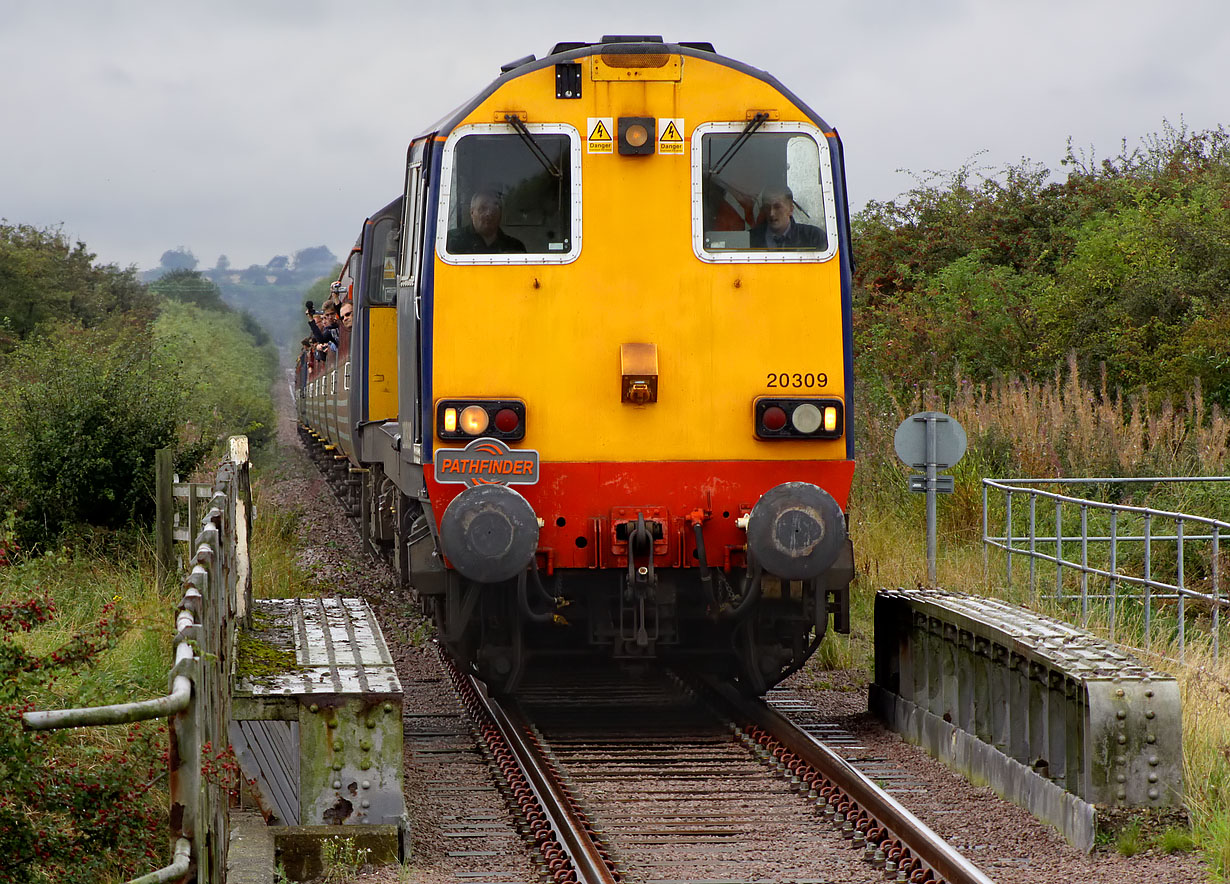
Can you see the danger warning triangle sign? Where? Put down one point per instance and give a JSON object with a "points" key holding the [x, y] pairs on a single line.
{"points": [[599, 133], [670, 133]]}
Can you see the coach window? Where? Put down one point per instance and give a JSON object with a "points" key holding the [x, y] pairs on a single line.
{"points": [[762, 194], [510, 195]]}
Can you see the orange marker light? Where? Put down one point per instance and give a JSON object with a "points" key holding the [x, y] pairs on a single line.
{"points": [[474, 419], [830, 419], [450, 420], [636, 135]]}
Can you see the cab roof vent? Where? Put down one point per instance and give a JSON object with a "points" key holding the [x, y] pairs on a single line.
{"points": [[570, 45], [631, 38]]}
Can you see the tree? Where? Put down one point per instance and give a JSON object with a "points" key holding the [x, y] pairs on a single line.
{"points": [[84, 411], [177, 259], [320, 290], [43, 276], [1126, 264], [190, 287], [256, 274], [314, 261]]}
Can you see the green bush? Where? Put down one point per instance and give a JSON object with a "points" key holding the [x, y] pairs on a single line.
{"points": [[987, 274], [83, 414], [227, 369], [44, 277]]}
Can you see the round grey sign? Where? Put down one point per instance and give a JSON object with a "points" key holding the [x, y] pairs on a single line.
{"points": [[910, 441]]}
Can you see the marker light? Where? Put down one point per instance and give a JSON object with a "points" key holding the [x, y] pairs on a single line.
{"points": [[636, 135], [773, 419], [450, 420], [474, 419], [830, 419], [506, 420], [805, 418]]}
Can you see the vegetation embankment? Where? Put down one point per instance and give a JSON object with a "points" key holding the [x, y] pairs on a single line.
{"points": [[1074, 328], [99, 371]]}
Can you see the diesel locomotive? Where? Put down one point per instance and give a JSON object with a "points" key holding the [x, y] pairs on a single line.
{"points": [[597, 396]]}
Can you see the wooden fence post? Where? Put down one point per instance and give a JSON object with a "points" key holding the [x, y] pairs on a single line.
{"points": [[164, 512]]}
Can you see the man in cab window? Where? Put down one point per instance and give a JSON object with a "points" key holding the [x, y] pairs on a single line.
{"points": [[483, 236], [779, 230]]}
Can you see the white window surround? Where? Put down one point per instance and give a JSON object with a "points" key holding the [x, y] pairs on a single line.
{"points": [[446, 183], [761, 256]]}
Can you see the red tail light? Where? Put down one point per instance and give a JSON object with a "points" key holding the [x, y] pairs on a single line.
{"points": [[507, 420]]}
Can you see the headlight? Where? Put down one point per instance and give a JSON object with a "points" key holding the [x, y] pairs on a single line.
{"points": [[470, 418]]}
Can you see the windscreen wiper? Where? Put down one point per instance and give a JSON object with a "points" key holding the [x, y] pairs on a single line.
{"points": [[515, 121], [752, 125]]}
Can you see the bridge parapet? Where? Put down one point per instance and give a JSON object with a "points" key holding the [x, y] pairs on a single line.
{"points": [[316, 723], [1054, 718]]}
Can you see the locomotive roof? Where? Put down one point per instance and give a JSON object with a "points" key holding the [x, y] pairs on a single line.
{"points": [[392, 210], [615, 44]]}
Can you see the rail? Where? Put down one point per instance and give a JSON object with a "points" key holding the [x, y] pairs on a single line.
{"points": [[946, 863], [216, 593], [1117, 545], [560, 833]]}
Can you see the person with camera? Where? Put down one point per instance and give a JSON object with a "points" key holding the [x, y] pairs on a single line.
{"points": [[324, 325]]}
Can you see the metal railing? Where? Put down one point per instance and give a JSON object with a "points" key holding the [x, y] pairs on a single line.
{"points": [[217, 592], [1120, 555]]}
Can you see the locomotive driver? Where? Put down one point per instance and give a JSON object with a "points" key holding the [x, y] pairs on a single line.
{"points": [[483, 234], [780, 230]]}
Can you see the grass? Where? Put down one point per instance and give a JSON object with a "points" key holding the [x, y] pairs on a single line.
{"points": [[276, 572], [883, 559], [88, 571], [342, 859], [81, 577]]}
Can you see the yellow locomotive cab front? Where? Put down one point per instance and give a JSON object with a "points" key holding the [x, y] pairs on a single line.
{"points": [[624, 366]]}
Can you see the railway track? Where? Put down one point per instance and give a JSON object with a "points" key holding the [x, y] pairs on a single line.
{"points": [[619, 777]]}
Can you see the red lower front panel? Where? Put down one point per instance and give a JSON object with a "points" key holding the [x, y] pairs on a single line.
{"points": [[583, 506]]}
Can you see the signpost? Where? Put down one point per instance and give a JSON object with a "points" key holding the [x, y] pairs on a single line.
{"points": [[930, 441]]}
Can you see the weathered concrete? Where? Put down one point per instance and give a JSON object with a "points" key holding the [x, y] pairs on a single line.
{"points": [[316, 721], [299, 847], [250, 858]]}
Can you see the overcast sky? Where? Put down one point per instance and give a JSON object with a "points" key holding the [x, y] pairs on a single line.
{"points": [[255, 129]]}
